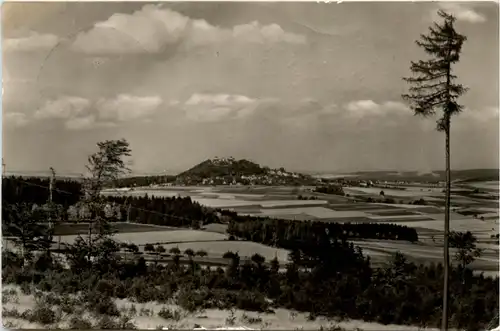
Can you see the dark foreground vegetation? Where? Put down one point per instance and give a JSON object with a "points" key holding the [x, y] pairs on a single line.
{"points": [[334, 280], [326, 275]]}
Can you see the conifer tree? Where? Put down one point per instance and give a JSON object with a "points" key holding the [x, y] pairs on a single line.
{"points": [[104, 167], [433, 88]]}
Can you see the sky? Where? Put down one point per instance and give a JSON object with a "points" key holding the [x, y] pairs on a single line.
{"points": [[306, 86]]}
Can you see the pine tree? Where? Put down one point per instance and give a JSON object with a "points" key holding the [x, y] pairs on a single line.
{"points": [[104, 167], [433, 87]]}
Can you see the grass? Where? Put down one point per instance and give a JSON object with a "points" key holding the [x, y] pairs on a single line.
{"points": [[403, 219], [361, 206], [317, 212], [142, 238], [393, 212]]}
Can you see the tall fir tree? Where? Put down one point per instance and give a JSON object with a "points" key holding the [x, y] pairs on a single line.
{"points": [[434, 87]]}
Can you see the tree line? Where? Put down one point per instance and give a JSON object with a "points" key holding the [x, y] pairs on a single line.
{"points": [[142, 181], [167, 211], [35, 190], [282, 233]]}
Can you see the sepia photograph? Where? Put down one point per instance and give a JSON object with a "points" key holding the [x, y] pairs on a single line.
{"points": [[260, 165]]}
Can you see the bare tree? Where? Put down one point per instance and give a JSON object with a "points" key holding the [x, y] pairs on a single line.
{"points": [[433, 87]]}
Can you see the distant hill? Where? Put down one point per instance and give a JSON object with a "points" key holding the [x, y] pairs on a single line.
{"points": [[220, 171], [468, 175], [220, 167]]}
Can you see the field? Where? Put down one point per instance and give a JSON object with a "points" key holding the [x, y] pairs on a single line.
{"points": [[282, 202], [66, 229]]}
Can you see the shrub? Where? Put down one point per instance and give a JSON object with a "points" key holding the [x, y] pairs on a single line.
{"points": [[78, 322], [52, 299], [146, 312], [105, 323], [124, 323], [132, 311], [14, 313], [231, 318], [251, 320], [26, 288], [42, 315], [107, 307], [10, 295], [99, 304], [201, 253], [68, 304], [168, 314]]}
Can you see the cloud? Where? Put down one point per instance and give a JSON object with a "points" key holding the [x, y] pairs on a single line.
{"points": [[361, 108], [14, 120], [81, 123], [33, 42], [481, 115], [462, 12], [63, 108], [214, 107], [80, 113], [153, 28], [127, 107]]}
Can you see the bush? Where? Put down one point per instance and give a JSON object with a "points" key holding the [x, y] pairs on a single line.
{"points": [[52, 299], [78, 322], [251, 320], [168, 314], [106, 323], [14, 313], [107, 307], [10, 295], [99, 304], [42, 315]]}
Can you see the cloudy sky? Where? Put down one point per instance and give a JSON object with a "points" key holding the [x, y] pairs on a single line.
{"points": [[302, 85]]}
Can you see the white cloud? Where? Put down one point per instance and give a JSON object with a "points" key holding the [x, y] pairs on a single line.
{"points": [[63, 108], [463, 12], [152, 28], [127, 107], [33, 42], [362, 108], [483, 115], [80, 113], [214, 107], [14, 120]]}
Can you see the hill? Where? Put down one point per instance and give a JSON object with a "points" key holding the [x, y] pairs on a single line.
{"points": [[225, 171], [468, 175]]}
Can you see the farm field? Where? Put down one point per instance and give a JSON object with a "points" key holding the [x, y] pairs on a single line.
{"points": [[65, 229], [281, 202]]}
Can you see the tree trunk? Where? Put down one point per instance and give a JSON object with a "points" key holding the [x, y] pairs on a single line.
{"points": [[444, 322]]}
